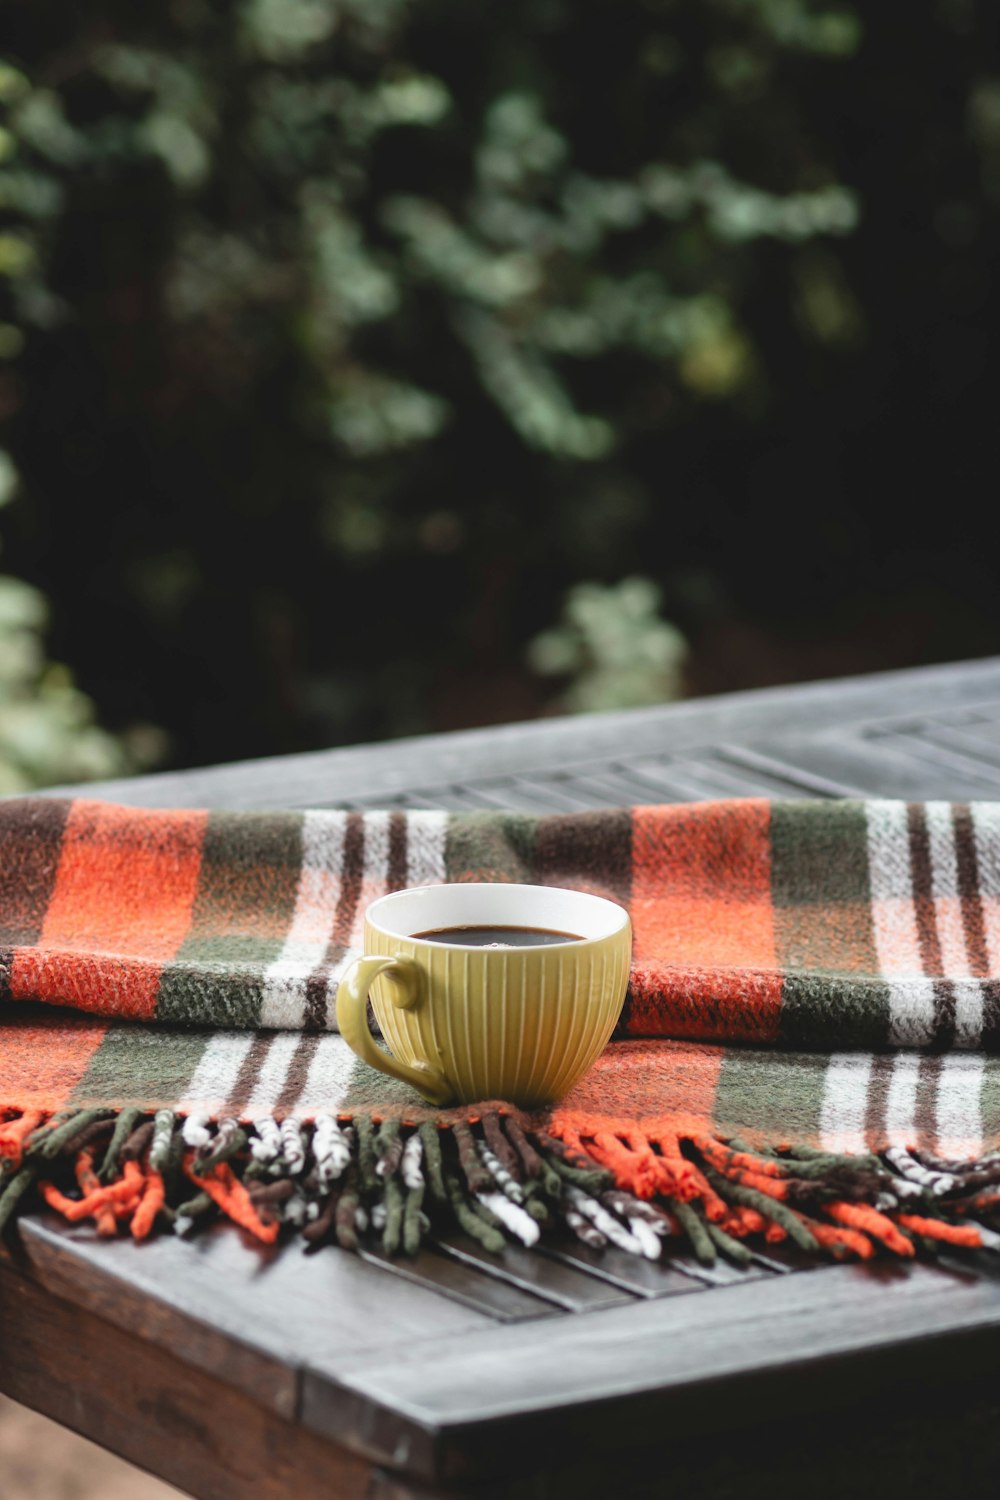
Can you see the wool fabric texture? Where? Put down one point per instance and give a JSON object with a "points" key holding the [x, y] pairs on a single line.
{"points": [[810, 1044]]}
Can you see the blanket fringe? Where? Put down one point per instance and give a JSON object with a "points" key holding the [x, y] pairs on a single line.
{"points": [[607, 1182]]}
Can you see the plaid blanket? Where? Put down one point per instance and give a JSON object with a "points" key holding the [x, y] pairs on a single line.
{"points": [[805, 1049]]}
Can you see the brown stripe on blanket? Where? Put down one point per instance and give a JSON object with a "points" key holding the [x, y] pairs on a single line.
{"points": [[246, 1078], [925, 1107], [876, 1110], [923, 890], [396, 874], [969, 889], [928, 937], [298, 1073], [30, 842]]}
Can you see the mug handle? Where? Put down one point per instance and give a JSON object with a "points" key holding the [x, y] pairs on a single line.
{"points": [[352, 1021]]}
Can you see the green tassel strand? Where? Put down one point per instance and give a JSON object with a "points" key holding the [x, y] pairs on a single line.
{"points": [[126, 1122], [433, 1160]]}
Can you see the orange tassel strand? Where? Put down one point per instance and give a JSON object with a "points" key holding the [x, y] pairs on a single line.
{"points": [[937, 1229], [154, 1193], [870, 1221], [14, 1133], [225, 1189]]}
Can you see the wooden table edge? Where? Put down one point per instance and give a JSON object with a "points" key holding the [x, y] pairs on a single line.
{"points": [[436, 759]]}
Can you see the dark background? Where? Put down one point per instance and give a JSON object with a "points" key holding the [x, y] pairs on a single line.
{"points": [[350, 346]]}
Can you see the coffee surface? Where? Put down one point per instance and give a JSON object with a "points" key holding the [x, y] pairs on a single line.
{"points": [[499, 937]]}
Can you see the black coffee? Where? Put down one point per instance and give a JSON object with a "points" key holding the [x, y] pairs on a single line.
{"points": [[499, 937]]}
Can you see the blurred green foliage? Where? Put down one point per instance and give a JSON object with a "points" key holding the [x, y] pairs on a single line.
{"points": [[613, 648], [342, 338], [47, 728]]}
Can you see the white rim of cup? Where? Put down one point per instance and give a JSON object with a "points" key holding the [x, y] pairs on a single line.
{"points": [[606, 915]]}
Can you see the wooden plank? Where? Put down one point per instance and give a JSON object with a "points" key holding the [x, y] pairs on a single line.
{"points": [[560, 791], [460, 1282], [493, 1402], [985, 1263], [721, 1273], [571, 1288], [672, 781], [983, 713], [188, 1427], [721, 778], [981, 740], [850, 763], [895, 1440], [619, 786], [957, 763], [792, 758], [784, 1257], [591, 786], [520, 795], [454, 798], [318, 778], [633, 1273], [246, 1314]]}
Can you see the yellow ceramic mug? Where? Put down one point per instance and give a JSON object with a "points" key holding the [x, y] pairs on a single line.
{"points": [[470, 1022]]}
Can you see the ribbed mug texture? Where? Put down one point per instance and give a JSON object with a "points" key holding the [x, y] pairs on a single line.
{"points": [[521, 1024]]}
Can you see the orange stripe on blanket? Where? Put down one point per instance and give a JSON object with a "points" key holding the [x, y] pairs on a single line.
{"points": [[702, 912], [121, 907], [731, 1005], [644, 1079], [42, 1062]]}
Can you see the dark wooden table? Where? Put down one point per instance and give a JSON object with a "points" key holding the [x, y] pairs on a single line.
{"points": [[245, 1374]]}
